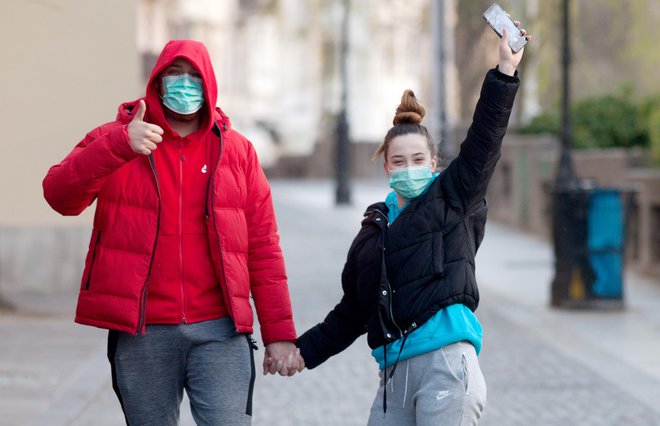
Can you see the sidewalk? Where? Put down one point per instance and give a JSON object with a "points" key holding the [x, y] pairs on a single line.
{"points": [[543, 366]]}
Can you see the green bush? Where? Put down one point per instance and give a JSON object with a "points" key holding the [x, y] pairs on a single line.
{"points": [[654, 134], [650, 111], [547, 122], [607, 121]]}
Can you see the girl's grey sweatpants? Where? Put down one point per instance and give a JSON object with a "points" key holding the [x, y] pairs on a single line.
{"points": [[208, 359], [441, 388]]}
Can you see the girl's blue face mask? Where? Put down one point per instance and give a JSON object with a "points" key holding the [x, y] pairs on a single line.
{"points": [[183, 94], [410, 182]]}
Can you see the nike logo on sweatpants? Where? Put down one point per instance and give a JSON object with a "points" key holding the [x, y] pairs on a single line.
{"points": [[442, 395]]}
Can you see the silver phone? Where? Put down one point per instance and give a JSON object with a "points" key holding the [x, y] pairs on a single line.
{"points": [[498, 19]]}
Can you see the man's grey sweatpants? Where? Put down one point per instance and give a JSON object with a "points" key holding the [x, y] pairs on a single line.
{"points": [[441, 388], [208, 359]]}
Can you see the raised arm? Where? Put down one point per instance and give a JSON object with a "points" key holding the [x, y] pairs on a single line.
{"points": [[470, 173]]}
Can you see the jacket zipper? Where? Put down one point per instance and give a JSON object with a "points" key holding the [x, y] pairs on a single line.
{"points": [[209, 214], [183, 293], [91, 265], [389, 286], [143, 295]]}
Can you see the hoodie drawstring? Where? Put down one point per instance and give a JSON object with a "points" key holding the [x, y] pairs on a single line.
{"points": [[396, 363], [387, 379]]}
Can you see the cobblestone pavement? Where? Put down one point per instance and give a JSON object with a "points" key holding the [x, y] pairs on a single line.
{"points": [[531, 383], [539, 366]]}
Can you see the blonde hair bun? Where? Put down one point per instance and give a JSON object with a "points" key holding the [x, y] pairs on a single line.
{"points": [[409, 110]]}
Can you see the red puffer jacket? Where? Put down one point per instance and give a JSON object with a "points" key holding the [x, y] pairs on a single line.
{"points": [[240, 221]]}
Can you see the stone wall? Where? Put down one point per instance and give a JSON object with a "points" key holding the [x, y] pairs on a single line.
{"points": [[519, 194], [646, 253], [42, 259]]}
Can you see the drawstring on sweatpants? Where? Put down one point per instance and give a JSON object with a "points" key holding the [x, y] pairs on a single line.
{"points": [[405, 389], [466, 374]]}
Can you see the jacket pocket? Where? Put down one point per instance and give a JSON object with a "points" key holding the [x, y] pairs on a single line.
{"points": [[93, 247], [437, 254]]}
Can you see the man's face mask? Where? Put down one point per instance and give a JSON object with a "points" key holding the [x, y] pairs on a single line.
{"points": [[410, 182], [183, 94]]}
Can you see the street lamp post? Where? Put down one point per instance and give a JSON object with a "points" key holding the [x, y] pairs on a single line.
{"points": [[569, 201], [343, 157], [588, 223], [565, 173], [438, 10]]}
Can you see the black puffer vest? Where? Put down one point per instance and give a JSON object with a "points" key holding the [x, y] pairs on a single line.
{"points": [[398, 276]]}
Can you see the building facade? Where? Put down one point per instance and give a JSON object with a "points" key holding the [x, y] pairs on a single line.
{"points": [[67, 67]]}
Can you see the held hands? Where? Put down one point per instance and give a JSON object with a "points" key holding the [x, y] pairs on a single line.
{"points": [[283, 358], [144, 136], [508, 60]]}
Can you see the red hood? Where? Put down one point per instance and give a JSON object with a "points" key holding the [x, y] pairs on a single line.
{"points": [[196, 53]]}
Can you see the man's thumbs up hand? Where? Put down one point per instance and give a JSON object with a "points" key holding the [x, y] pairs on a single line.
{"points": [[144, 136]]}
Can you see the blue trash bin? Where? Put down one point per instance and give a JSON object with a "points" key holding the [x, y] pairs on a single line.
{"points": [[589, 232], [605, 242]]}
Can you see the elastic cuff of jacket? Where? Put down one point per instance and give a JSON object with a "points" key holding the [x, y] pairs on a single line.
{"points": [[275, 339], [122, 144], [509, 78], [311, 360]]}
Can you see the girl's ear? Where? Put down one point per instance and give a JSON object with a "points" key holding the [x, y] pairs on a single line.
{"points": [[434, 164]]}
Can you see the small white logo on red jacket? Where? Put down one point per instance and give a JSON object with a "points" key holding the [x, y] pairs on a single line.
{"points": [[204, 169]]}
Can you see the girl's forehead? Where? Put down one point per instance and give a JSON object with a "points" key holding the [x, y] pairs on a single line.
{"points": [[409, 144]]}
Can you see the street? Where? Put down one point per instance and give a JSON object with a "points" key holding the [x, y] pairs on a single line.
{"points": [[543, 366]]}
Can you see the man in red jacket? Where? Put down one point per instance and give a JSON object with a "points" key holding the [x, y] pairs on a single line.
{"points": [[184, 234]]}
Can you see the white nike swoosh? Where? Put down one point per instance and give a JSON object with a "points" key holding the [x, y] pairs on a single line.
{"points": [[442, 395]]}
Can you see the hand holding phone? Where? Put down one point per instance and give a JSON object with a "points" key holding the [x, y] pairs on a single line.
{"points": [[498, 19]]}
